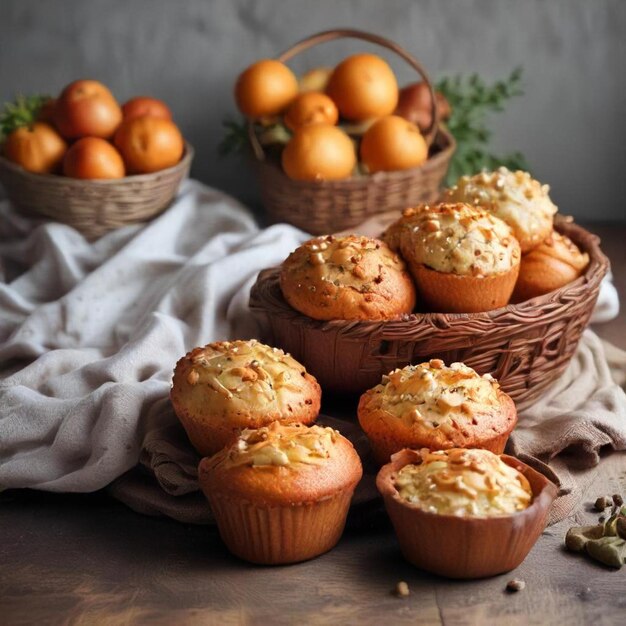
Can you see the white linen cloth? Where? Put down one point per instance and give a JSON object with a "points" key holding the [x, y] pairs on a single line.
{"points": [[90, 333]]}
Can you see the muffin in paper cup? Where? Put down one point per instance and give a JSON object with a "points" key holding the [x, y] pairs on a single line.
{"points": [[463, 259], [280, 494], [226, 386], [431, 405], [514, 197], [464, 513]]}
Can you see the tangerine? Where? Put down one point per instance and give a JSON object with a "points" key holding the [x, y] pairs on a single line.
{"points": [[319, 152], [363, 86], [393, 143], [311, 108], [265, 88]]}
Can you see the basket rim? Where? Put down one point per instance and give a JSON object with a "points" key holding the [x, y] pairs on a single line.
{"points": [[442, 156], [530, 309], [55, 179]]}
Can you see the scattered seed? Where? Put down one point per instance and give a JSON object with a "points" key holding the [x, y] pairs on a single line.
{"points": [[618, 500], [602, 503], [515, 585], [402, 590]]}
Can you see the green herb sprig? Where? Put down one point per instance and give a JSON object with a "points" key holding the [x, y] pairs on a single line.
{"points": [[23, 112], [471, 101]]}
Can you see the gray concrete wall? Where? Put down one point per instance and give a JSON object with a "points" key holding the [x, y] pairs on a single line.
{"points": [[570, 124]]}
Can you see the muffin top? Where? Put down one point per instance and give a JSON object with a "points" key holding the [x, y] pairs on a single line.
{"points": [[515, 197], [448, 406], [561, 248], [351, 277], [454, 238], [283, 464], [242, 380], [466, 483], [283, 446], [434, 394]]}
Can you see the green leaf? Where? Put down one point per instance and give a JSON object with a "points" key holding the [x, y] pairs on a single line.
{"points": [[24, 111], [472, 102]]}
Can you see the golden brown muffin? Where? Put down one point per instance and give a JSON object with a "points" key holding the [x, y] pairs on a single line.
{"points": [[551, 265], [481, 513], [347, 278], [434, 406], [280, 494], [515, 197], [463, 259], [224, 387]]}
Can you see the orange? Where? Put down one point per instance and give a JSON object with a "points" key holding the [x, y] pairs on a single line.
{"points": [[37, 148], [86, 108], [363, 86], [393, 143], [311, 108], [144, 106], [149, 144], [91, 158], [319, 152], [315, 79], [265, 88]]}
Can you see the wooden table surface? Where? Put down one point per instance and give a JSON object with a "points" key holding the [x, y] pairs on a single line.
{"points": [[86, 559]]}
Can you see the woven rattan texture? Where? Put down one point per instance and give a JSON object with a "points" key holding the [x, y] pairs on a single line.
{"points": [[93, 207], [525, 346], [329, 206]]}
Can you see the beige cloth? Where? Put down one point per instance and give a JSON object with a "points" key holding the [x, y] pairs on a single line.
{"points": [[563, 435]]}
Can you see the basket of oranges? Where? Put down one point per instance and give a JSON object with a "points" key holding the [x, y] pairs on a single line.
{"points": [[84, 160], [332, 149]]}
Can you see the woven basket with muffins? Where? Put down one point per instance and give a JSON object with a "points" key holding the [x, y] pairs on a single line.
{"points": [[500, 285]]}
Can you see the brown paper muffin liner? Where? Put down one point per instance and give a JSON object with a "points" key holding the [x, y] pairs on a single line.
{"points": [[465, 547], [272, 535], [454, 293]]}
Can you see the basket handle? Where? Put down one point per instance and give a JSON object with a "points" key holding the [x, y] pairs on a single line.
{"points": [[340, 33]]}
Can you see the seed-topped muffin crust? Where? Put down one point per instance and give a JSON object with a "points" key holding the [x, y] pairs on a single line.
{"points": [[282, 446], [283, 464], [515, 197], [454, 239], [227, 386], [435, 406], [351, 277], [466, 483]]}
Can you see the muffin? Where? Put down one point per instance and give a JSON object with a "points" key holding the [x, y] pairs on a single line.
{"points": [[551, 265], [463, 259], [515, 197], [224, 387], [433, 406], [474, 483], [281, 493], [347, 278], [481, 513]]}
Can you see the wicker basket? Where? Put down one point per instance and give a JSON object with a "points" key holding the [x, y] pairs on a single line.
{"points": [[525, 346], [93, 207], [321, 207]]}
